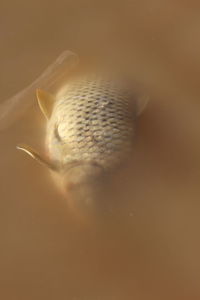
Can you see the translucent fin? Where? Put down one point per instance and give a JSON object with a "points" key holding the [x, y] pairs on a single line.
{"points": [[37, 156], [46, 102], [142, 103], [14, 107]]}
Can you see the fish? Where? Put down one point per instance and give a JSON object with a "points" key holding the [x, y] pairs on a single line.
{"points": [[90, 133]]}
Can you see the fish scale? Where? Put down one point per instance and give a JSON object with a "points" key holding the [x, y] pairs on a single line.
{"points": [[94, 119]]}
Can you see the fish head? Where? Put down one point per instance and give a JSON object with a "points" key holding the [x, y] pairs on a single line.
{"points": [[83, 186]]}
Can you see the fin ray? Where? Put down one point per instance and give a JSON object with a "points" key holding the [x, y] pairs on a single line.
{"points": [[46, 102], [142, 103]]}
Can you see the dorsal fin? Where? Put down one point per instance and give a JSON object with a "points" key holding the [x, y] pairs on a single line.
{"points": [[37, 156], [46, 102]]}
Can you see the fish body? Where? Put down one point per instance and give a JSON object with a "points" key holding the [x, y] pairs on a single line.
{"points": [[92, 121], [90, 133]]}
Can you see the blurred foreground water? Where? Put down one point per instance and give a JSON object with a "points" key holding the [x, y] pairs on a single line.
{"points": [[149, 246]]}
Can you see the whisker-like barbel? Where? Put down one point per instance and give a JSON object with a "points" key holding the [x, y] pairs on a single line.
{"points": [[12, 108]]}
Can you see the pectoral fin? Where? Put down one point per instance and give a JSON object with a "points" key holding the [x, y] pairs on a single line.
{"points": [[37, 156], [142, 103], [46, 102]]}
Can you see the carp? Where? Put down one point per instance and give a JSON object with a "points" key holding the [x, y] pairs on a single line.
{"points": [[90, 130]]}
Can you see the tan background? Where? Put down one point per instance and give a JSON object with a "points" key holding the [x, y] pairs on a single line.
{"points": [[152, 251]]}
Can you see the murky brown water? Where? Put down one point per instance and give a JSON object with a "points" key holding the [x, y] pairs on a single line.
{"points": [[149, 247]]}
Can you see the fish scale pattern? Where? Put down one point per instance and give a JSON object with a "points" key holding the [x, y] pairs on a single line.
{"points": [[92, 121]]}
